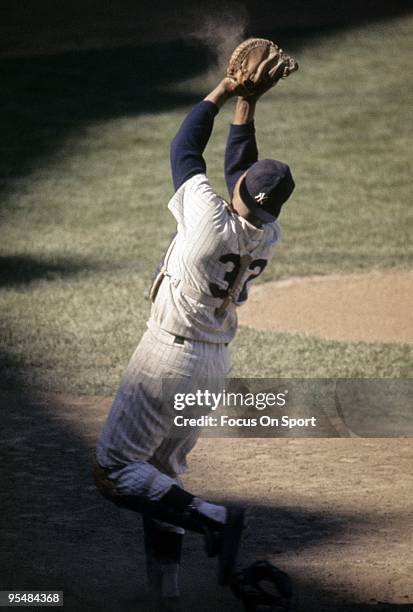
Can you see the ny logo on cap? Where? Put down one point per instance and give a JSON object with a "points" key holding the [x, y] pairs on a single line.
{"points": [[261, 197]]}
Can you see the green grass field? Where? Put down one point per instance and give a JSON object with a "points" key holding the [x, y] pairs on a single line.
{"points": [[85, 182]]}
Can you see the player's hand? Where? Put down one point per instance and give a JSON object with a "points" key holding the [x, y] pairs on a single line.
{"points": [[222, 92], [229, 86]]}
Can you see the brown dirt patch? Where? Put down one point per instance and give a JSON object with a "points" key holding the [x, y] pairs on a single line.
{"points": [[373, 307], [335, 513], [336, 499]]}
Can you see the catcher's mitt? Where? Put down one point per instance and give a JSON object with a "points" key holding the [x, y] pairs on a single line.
{"points": [[262, 586], [256, 65]]}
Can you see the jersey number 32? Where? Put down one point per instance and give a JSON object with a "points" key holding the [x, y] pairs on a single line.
{"points": [[256, 267]]}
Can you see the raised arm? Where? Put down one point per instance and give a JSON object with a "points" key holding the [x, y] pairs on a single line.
{"points": [[192, 137], [241, 149]]}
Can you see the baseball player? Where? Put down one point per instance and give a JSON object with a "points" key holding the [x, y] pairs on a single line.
{"points": [[220, 247]]}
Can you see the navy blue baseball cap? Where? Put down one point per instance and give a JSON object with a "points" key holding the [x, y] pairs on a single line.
{"points": [[265, 188]]}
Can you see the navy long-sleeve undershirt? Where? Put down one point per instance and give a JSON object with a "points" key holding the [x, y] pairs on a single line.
{"points": [[240, 153], [190, 141], [188, 146]]}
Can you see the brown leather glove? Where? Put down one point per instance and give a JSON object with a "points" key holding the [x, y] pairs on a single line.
{"points": [[256, 65]]}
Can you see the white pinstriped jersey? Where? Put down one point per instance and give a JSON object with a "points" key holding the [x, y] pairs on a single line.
{"points": [[206, 255]]}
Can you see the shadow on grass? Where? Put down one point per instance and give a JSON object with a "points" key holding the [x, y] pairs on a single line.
{"points": [[58, 534], [16, 270], [45, 98]]}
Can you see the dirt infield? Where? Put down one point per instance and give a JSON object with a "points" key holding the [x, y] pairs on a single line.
{"points": [[373, 307], [335, 513]]}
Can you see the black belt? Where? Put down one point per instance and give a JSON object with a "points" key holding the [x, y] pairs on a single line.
{"points": [[181, 340]]}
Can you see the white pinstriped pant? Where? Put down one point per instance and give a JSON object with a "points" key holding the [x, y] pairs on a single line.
{"points": [[134, 444]]}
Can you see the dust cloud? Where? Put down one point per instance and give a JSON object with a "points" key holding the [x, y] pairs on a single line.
{"points": [[221, 29]]}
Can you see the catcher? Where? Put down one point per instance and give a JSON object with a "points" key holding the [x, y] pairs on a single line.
{"points": [[219, 248]]}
